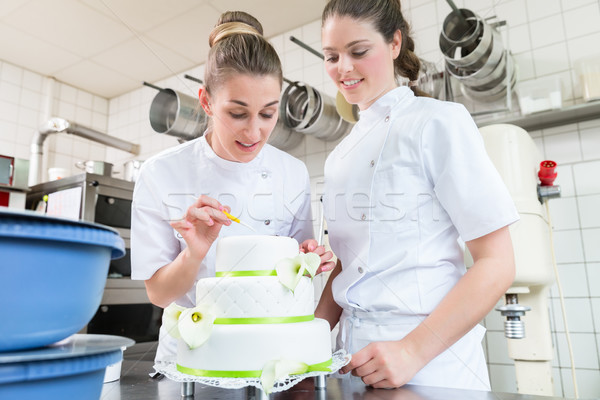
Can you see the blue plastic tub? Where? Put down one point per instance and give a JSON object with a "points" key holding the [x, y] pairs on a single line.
{"points": [[52, 276], [73, 370], [78, 378]]}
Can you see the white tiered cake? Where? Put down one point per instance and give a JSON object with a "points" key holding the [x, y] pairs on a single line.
{"points": [[257, 318]]}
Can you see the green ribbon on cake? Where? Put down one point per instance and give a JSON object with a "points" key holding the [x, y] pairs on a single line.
{"points": [[263, 320], [323, 366], [259, 272]]}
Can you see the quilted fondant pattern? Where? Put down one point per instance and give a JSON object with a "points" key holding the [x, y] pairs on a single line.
{"points": [[252, 297]]}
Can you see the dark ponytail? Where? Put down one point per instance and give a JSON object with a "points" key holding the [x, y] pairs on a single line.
{"points": [[386, 17]]}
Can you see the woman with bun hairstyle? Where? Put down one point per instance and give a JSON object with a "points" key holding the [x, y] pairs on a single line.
{"points": [[404, 192], [181, 192]]}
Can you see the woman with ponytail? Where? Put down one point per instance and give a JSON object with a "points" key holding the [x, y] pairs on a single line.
{"points": [[404, 192], [180, 196]]}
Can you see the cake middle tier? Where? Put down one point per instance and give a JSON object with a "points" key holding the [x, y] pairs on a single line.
{"points": [[254, 297]]}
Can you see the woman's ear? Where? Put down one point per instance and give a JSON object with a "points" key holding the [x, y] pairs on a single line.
{"points": [[204, 101], [396, 44]]}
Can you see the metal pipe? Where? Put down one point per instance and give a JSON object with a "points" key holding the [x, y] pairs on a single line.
{"points": [[58, 125], [91, 134], [192, 78], [37, 152], [154, 86], [307, 47], [458, 12]]}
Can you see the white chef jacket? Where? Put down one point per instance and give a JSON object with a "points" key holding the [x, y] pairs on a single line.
{"points": [[411, 180], [271, 193]]}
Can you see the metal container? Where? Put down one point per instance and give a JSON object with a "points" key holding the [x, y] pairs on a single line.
{"points": [[283, 137], [476, 57], [95, 167], [483, 59], [497, 92], [460, 37], [131, 170], [472, 57], [307, 111], [176, 114]]}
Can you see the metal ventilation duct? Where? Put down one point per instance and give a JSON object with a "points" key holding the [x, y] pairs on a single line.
{"points": [[58, 125]]}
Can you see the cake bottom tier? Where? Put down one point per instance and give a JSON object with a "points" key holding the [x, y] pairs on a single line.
{"points": [[243, 350]]}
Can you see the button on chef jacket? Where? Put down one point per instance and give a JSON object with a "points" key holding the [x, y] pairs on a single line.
{"points": [[271, 193], [408, 183]]}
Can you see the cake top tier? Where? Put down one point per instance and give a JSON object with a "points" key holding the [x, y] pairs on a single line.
{"points": [[253, 253]]}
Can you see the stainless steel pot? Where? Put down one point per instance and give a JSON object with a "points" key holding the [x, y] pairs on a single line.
{"points": [[497, 92], [283, 137], [131, 170], [95, 167], [470, 57], [177, 114], [460, 33], [489, 61], [307, 111], [479, 64]]}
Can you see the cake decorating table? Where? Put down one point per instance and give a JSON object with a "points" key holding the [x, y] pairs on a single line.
{"points": [[135, 383]]}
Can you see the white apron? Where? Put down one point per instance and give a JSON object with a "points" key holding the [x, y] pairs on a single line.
{"points": [[461, 366]]}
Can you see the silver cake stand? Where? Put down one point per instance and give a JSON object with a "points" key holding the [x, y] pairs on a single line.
{"points": [[254, 389]]}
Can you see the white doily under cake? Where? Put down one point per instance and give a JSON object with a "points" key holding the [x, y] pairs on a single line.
{"points": [[169, 369]]}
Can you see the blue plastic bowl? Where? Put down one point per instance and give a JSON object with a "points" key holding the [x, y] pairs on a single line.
{"points": [[71, 369], [52, 276], [78, 378]]}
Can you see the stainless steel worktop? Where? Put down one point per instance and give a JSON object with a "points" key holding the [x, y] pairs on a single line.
{"points": [[135, 383]]}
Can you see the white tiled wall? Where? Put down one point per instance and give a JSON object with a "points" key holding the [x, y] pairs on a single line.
{"points": [[546, 37], [22, 97]]}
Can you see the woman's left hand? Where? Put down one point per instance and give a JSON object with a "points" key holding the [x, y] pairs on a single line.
{"points": [[384, 364], [311, 246]]}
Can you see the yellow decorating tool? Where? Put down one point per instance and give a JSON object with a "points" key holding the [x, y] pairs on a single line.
{"points": [[236, 219]]}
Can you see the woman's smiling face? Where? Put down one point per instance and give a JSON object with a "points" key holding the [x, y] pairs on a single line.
{"points": [[244, 111], [358, 59]]}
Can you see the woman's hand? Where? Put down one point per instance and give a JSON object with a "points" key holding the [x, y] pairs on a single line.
{"points": [[311, 245], [384, 364], [201, 225]]}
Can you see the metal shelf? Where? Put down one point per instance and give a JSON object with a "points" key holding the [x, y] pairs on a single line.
{"points": [[547, 119]]}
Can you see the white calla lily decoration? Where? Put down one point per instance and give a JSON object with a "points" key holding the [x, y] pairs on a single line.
{"points": [[290, 270], [195, 326], [170, 319], [312, 262], [277, 369]]}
